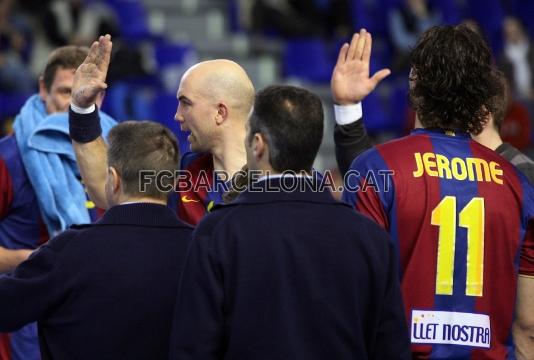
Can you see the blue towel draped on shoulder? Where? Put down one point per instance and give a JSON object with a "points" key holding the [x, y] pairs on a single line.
{"points": [[50, 163]]}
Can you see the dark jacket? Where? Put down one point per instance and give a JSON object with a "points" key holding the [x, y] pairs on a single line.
{"points": [[289, 275], [102, 291]]}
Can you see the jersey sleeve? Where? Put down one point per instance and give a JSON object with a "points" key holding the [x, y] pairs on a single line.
{"points": [[368, 187], [6, 189]]}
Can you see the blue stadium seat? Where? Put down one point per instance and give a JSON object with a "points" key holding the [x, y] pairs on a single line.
{"points": [[132, 18], [233, 16], [489, 14], [115, 102], [308, 60], [371, 15], [374, 114], [125, 101], [450, 11], [398, 103], [10, 104], [163, 111], [168, 53]]}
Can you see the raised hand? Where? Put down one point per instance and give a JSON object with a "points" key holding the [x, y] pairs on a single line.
{"points": [[350, 82], [90, 77]]}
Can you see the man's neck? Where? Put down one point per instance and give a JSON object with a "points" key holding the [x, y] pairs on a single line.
{"points": [[230, 155], [490, 138]]}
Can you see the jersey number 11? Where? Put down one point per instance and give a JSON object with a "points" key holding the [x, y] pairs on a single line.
{"points": [[472, 218]]}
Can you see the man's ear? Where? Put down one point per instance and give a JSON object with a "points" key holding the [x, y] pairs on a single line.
{"points": [[43, 92], [222, 113], [115, 179], [260, 147]]}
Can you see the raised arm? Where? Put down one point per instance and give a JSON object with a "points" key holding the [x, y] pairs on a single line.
{"points": [[350, 84], [92, 160], [89, 146]]}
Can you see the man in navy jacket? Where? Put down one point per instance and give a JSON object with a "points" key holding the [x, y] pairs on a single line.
{"points": [[107, 290], [287, 272]]}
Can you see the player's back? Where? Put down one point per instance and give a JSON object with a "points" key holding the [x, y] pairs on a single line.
{"points": [[458, 213]]}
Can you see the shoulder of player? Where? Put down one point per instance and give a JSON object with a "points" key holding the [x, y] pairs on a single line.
{"points": [[492, 155], [527, 169], [375, 155]]}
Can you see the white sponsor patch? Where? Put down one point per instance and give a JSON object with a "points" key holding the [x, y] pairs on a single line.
{"points": [[446, 327]]}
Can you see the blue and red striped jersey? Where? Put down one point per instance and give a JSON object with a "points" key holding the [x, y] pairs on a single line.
{"points": [[459, 215], [21, 225], [196, 192]]}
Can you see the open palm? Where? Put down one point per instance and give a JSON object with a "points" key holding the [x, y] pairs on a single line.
{"points": [[350, 82], [90, 77]]}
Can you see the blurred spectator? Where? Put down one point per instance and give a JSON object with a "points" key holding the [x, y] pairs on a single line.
{"points": [[302, 18], [407, 22], [77, 22], [516, 127], [14, 51], [517, 60]]}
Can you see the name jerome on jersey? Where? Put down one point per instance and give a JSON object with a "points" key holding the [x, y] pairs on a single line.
{"points": [[471, 168]]}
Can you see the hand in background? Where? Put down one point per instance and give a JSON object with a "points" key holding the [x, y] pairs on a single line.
{"points": [[90, 77], [350, 82]]}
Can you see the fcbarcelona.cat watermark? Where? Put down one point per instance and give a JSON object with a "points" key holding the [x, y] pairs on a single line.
{"points": [[262, 181]]}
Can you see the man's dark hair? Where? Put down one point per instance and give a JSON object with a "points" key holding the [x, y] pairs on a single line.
{"points": [[65, 57], [135, 146], [291, 119], [453, 82]]}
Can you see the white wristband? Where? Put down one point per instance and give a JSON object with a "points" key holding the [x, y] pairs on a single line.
{"points": [[81, 110], [346, 114]]}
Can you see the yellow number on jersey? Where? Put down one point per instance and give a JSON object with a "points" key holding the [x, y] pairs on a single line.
{"points": [[472, 218]]}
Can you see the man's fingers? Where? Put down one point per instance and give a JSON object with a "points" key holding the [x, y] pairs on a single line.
{"points": [[104, 53], [93, 53], [380, 75], [361, 44], [367, 48], [341, 58], [352, 48]]}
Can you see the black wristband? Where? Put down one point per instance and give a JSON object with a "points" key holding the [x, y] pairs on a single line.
{"points": [[84, 128]]}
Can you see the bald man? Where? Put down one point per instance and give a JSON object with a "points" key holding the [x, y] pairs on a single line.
{"points": [[214, 100]]}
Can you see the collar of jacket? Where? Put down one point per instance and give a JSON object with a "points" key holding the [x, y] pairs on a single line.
{"points": [[286, 189], [143, 214]]}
